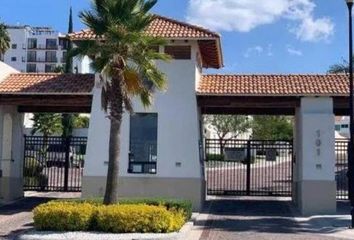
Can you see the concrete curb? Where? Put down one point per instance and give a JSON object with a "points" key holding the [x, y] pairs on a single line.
{"points": [[181, 235]]}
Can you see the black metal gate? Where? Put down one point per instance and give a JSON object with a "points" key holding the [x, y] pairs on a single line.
{"points": [[54, 163], [249, 167], [342, 168]]}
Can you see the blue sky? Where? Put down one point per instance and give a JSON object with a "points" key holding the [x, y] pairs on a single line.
{"points": [[269, 36]]}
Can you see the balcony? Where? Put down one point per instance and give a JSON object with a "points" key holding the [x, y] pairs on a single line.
{"points": [[42, 60], [44, 47]]}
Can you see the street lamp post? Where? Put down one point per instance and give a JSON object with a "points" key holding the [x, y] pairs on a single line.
{"points": [[351, 111]]}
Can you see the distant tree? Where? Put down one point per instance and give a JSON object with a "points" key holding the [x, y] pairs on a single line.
{"points": [[227, 127], [272, 128], [68, 120], [46, 123], [81, 122], [342, 67], [4, 40]]}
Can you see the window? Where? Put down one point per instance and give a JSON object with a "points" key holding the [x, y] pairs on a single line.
{"points": [[32, 43], [65, 54], [31, 67], [337, 127], [143, 143], [64, 43], [31, 56], [179, 52], [344, 126], [51, 44], [13, 59], [14, 46], [50, 56], [50, 68]]}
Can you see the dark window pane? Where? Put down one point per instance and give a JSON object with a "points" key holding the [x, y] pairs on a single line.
{"points": [[143, 143], [31, 68], [51, 44], [32, 43], [179, 52]]}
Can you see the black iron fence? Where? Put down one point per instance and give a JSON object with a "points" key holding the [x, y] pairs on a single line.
{"points": [[54, 163], [342, 168], [249, 167]]}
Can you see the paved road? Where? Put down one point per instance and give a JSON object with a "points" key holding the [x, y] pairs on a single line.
{"points": [[17, 217], [263, 220]]}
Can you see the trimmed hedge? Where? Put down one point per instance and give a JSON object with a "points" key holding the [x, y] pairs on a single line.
{"points": [[130, 216], [183, 206]]}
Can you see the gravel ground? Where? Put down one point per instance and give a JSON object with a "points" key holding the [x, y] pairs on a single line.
{"points": [[261, 219]]}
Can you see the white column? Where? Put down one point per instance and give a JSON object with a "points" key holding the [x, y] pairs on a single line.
{"points": [[315, 157], [11, 153]]}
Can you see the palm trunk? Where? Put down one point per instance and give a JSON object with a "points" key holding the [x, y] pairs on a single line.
{"points": [[116, 111]]}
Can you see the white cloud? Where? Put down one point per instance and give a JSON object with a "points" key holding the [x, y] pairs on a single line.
{"points": [[292, 51], [256, 50], [245, 15]]}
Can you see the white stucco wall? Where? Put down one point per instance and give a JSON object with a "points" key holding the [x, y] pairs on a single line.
{"points": [[178, 126], [316, 139], [6, 70]]}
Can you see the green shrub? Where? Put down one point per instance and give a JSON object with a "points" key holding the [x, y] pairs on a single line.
{"points": [[119, 218], [63, 216], [215, 157], [41, 180], [33, 168], [139, 218]]}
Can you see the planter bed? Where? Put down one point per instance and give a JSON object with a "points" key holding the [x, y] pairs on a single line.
{"points": [[134, 219], [39, 235]]}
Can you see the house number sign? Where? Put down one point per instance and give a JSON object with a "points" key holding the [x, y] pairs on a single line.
{"points": [[318, 142]]}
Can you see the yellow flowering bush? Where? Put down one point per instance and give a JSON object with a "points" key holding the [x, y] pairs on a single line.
{"points": [[63, 216], [138, 218], [119, 218]]}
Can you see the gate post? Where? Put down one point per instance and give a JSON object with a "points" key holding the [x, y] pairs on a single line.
{"points": [[248, 160], [67, 163]]}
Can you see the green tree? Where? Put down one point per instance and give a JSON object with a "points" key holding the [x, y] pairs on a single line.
{"points": [[227, 127], [4, 40], [272, 128], [46, 123], [342, 67], [81, 122], [125, 60]]}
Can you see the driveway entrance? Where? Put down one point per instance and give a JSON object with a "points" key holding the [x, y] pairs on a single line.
{"points": [[250, 218], [249, 167]]}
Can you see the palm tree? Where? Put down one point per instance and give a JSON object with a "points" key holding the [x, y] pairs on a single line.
{"points": [[4, 40], [124, 56]]}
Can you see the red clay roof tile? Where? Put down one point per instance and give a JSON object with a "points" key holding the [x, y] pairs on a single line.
{"points": [[47, 83], [274, 85]]}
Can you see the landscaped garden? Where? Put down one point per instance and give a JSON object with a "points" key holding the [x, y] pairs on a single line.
{"points": [[129, 216]]}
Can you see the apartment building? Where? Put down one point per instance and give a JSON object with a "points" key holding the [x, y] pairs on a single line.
{"points": [[35, 49]]}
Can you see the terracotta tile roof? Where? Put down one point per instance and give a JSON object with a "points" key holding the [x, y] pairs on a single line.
{"points": [[172, 29], [160, 27], [47, 83], [274, 85]]}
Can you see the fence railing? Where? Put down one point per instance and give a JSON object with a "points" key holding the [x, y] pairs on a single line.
{"points": [[341, 148], [54, 163], [249, 167]]}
